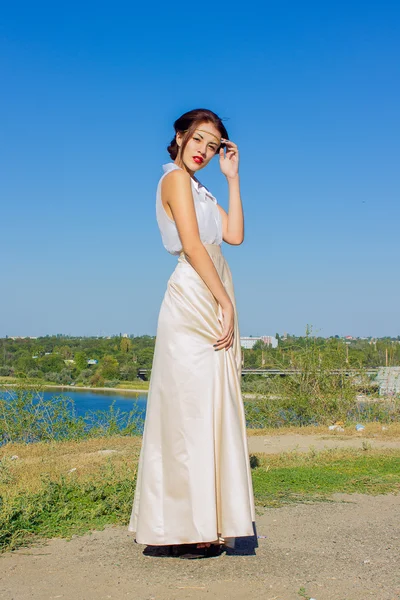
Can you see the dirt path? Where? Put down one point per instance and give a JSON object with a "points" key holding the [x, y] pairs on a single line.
{"points": [[274, 444], [347, 550]]}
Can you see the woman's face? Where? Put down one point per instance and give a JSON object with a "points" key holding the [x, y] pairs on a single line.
{"points": [[201, 147]]}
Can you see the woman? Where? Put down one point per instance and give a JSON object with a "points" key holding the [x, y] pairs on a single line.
{"points": [[194, 483]]}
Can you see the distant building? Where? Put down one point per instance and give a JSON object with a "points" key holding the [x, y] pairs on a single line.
{"points": [[250, 341], [92, 361], [125, 335]]}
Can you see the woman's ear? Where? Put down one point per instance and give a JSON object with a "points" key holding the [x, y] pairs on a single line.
{"points": [[178, 138]]}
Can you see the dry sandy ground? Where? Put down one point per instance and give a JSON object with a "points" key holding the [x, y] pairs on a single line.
{"points": [[275, 444], [346, 550]]}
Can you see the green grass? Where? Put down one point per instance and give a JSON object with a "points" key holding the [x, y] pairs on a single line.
{"points": [[296, 477], [303, 593], [138, 384]]}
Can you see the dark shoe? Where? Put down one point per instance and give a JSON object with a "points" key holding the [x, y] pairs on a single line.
{"points": [[191, 551], [215, 550], [160, 551]]}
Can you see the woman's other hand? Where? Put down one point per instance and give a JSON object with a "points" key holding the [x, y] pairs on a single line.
{"points": [[229, 161], [228, 321]]}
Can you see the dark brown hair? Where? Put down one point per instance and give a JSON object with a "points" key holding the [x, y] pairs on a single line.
{"points": [[187, 123]]}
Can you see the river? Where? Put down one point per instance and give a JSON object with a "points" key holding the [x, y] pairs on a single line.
{"points": [[88, 400]]}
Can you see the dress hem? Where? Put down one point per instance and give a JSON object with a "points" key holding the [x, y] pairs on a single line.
{"points": [[192, 541]]}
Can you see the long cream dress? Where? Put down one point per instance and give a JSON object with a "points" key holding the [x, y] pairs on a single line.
{"points": [[193, 480]]}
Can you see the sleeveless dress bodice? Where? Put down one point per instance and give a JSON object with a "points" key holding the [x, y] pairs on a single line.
{"points": [[208, 216]]}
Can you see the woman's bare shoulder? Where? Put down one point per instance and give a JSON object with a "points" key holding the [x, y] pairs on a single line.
{"points": [[175, 181]]}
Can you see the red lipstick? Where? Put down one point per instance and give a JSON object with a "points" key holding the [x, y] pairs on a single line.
{"points": [[198, 160]]}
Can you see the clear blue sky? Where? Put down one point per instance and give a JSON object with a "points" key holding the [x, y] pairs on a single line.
{"points": [[310, 92]]}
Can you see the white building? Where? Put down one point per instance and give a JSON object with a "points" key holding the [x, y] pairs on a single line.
{"points": [[248, 342]]}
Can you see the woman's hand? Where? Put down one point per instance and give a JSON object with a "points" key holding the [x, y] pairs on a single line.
{"points": [[228, 320], [229, 162]]}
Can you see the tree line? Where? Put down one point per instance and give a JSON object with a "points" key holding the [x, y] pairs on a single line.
{"points": [[98, 361], [91, 361]]}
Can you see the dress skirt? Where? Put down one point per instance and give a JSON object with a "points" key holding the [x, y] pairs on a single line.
{"points": [[193, 479]]}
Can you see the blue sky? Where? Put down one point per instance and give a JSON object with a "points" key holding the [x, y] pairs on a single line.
{"points": [[309, 91]]}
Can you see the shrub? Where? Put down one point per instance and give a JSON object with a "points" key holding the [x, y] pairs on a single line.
{"points": [[85, 375], [111, 383], [97, 380], [6, 371], [34, 374], [128, 372]]}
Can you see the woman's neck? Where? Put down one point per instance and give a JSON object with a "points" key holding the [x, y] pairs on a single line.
{"points": [[184, 168]]}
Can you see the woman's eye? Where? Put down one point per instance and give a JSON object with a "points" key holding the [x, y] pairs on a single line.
{"points": [[213, 148]]}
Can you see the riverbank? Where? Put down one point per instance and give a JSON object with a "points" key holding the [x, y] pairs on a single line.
{"points": [[99, 389], [133, 390], [74, 387]]}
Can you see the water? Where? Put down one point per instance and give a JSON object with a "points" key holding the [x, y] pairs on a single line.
{"points": [[87, 400]]}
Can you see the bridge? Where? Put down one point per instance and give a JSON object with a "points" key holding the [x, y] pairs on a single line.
{"points": [[144, 373], [286, 372]]}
